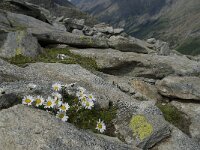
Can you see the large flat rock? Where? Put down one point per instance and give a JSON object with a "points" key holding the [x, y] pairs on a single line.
{"points": [[185, 88], [18, 43], [178, 141], [22, 127], [141, 65]]}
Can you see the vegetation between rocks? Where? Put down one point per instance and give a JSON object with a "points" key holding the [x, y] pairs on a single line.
{"points": [[76, 106], [50, 56], [175, 117]]}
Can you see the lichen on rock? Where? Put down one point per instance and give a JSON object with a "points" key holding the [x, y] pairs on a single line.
{"points": [[140, 127]]}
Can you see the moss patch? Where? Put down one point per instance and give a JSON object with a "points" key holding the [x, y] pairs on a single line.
{"points": [[140, 127], [49, 56], [175, 117]]}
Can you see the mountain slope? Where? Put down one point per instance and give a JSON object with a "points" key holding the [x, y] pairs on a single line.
{"points": [[57, 8], [175, 21]]}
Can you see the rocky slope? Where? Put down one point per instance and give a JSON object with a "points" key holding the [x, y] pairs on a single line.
{"points": [[147, 93], [173, 21]]}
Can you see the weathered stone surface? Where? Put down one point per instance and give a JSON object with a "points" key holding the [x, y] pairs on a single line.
{"points": [[178, 141], [59, 26], [126, 45], [146, 90], [140, 125], [151, 41], [77, 32], [88, 31], [22, 127], [185, 88], [118, 30], [141, 65], [104, 28], [74, 24], [162, 48], [123, 83], [193, 112], [18, 43]]}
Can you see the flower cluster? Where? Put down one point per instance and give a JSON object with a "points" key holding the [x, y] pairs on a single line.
{"points": [[87, 101], [58, 105]]}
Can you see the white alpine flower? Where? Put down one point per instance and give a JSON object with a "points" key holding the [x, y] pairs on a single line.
{"points": [[27, 100], [39, 100], [50, 103], [58, 102], [64, 107], [91, 97], [81, 90], [83, 100], [56, 86], [62, 116], [101, 126], [56, 95], [89, 104]]}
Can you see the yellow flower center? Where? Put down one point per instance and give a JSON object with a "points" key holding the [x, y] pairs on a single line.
{"points": [[84, 99], [49, 103], [28, 101], [99, 126], [61, 116], [90, 96], [87, 104], [56, 88], [63, 107], [38, 101]]}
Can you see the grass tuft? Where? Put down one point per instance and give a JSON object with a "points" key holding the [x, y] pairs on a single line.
{"points": [[175, 117], [49, 56]]}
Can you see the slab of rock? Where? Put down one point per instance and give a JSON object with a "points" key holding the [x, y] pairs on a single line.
{"points": [[22, 127], [77, 32], [178, 141], [185, 88], [143, 125], [59, 26], [151, 41], [146, 90], [104, 28], [46, 33], [88, 31], [118, 63], [18, 43], [118, 31], [71, 24], [126, 45], [162, 48]]}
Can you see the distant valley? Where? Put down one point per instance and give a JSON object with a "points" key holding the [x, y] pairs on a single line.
{"points": [[174, 21]]}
